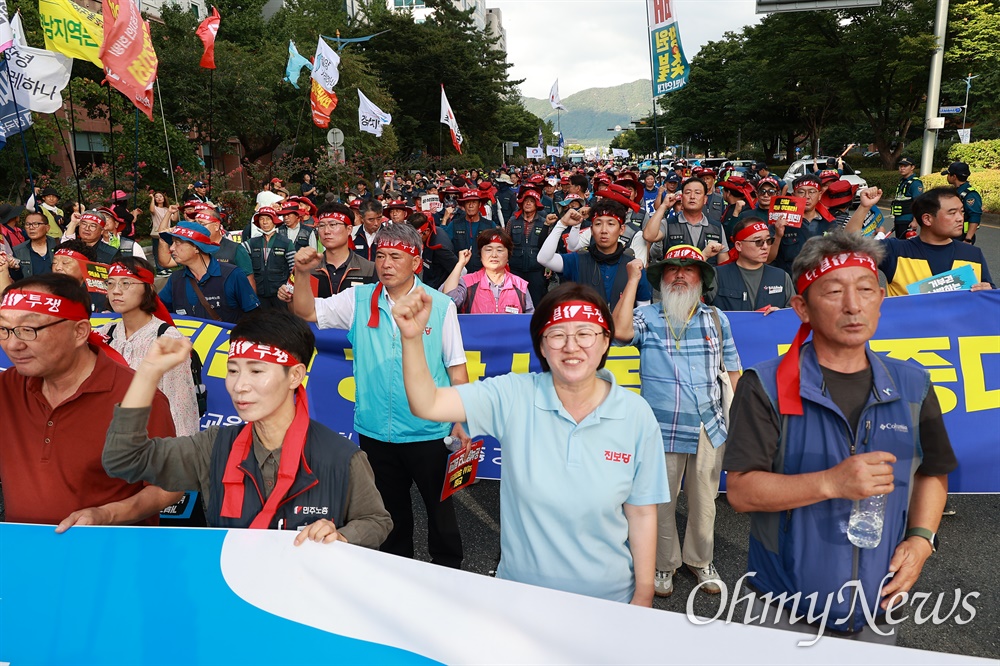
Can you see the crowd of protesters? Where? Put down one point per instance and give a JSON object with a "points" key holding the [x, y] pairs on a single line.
{"points": [[598, 255]]}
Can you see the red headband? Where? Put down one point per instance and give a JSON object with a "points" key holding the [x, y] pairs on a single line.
{"points": [[191, 234], [121, 270], [749, 230], [255, 351], [334, 215], [576, 311], [495, 238], [42, 303], [789, 381], [202, 216], [399, 245], [91, 217], [72, 254]]}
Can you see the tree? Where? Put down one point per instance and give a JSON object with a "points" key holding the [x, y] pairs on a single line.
{"points": [[971, 48]]}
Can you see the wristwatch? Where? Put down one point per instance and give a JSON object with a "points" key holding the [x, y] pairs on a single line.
{"points": [[924, 533]]}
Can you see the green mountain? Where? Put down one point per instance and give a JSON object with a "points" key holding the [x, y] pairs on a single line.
{"points": [[589, 113]]}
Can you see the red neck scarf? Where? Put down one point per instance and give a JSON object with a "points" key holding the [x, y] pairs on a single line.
{"points": [[292, 446], [789, 373]]}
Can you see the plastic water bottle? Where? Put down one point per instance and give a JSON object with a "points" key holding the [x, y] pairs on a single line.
{"points": [[864, 529], [453, 444]]}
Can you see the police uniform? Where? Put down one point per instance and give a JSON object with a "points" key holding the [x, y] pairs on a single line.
{"points": [[972, 203], [908, 189]]}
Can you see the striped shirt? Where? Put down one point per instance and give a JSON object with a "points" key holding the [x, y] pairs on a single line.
{"points": [[682, 385]]}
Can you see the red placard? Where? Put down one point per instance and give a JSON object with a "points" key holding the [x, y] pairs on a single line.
{"points": [[789, 209], [461, 470]]}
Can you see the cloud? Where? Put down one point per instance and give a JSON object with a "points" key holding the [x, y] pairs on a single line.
{"points": [[598, 44]]}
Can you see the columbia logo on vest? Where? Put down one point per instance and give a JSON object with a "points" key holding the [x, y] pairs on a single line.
{"points": [[898, 427]]}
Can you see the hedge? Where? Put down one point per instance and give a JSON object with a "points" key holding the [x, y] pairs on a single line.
{"points": [[979, 154], [986, 182]]}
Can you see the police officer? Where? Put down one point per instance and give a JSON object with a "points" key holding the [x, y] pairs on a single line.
{"points": [[910, 187], [972, 201]]}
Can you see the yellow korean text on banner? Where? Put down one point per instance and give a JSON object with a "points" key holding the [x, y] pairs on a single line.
{"points": [[72, 30]]}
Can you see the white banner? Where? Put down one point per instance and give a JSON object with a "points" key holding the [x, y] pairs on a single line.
{"points": [[370, 117], [535, 152], [554, 151], [964, 135], [326, 66], [619, 152], [554, 97], [39, 74]]}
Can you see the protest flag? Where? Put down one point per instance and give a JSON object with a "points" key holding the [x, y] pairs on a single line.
{"points": [[296, 61], [554, 97], [207, 31], [371, 119], [448, 118], [129, 60], [72, 30]]}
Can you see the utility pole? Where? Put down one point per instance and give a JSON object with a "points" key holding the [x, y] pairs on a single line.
{"points": [[934, 88]]}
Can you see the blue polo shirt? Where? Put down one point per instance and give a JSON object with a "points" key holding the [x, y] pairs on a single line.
{"points": [[562, 520], [237, 291]]}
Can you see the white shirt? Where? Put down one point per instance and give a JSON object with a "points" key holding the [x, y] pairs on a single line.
{"points": [[337, 311]]}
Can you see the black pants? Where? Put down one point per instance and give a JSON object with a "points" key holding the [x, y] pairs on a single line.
{"points": [[537, 284], [900, 229], [399, 466]]}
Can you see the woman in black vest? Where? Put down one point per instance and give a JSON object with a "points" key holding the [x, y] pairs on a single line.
{"points": [[281, 470]]}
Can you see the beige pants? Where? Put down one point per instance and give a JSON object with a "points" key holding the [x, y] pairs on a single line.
{"points": [[700, 472]]}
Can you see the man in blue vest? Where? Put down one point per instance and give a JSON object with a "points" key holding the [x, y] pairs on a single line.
{"points": [[464, 227], [402, 448], [823, 428], [204, 287], [749, 283], [272, 256]]}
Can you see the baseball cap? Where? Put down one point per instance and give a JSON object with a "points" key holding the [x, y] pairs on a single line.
{"points": [[960, 169]]}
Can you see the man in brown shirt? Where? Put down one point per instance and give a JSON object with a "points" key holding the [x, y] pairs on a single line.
{"points": [[55, 404]]}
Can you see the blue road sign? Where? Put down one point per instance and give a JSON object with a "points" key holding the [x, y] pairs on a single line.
{"points": [[949, 110]]}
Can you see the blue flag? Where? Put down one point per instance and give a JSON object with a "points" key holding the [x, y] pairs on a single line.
{"points": [[296, 62], [10, 109]]}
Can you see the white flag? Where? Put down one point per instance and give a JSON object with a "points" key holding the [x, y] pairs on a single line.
{"points": [[326, 65], [39, 76], [619, 152], [554, 97], [370, 117], [448, 118], [555, 151], [964, 135], [534, 153]]}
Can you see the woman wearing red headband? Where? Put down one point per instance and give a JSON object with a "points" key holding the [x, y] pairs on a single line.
{"points": [[583, 468], [493, 289], [144, 319], [263, 473]]}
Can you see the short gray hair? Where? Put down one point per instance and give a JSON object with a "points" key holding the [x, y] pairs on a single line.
{"points": [[402, 233], [818, 248]]}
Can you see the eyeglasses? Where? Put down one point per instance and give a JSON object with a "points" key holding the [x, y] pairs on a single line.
{"points": [[25, 333], [32, 225], [90, 225], [332, 225], [760, 242], [124, 285], [585, 338]]}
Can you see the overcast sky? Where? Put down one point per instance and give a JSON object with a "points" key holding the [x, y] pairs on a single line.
{"points": [[601, 43]]}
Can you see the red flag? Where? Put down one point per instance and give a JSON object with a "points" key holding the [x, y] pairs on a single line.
{"points": [[322, 103], [127, 53], [207, 31]]}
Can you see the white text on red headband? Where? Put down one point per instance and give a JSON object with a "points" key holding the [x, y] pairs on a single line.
{"points": [[255, 351]]}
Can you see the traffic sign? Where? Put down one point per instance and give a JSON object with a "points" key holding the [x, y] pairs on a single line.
{"points": [[949, 110], [335, 138]]}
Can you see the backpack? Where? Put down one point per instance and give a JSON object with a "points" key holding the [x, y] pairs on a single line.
{"points": [[200, 390]]}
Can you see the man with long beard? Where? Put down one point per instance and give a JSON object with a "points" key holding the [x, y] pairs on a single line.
{"points": [[683, 346]]}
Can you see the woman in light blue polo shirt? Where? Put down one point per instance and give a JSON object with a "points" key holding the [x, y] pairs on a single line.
{"points": [[583, 458]]}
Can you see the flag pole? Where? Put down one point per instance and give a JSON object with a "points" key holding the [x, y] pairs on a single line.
{"points": [[656, 131], [17, 114], [111, 132], [69, 155], [211, 122], [72, 125], [166, 141], [135, 164]]}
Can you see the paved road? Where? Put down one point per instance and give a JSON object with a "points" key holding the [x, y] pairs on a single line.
{"points": [[966, 561]]}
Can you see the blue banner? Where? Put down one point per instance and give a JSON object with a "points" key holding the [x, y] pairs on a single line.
{"points": [[947, 334]]}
